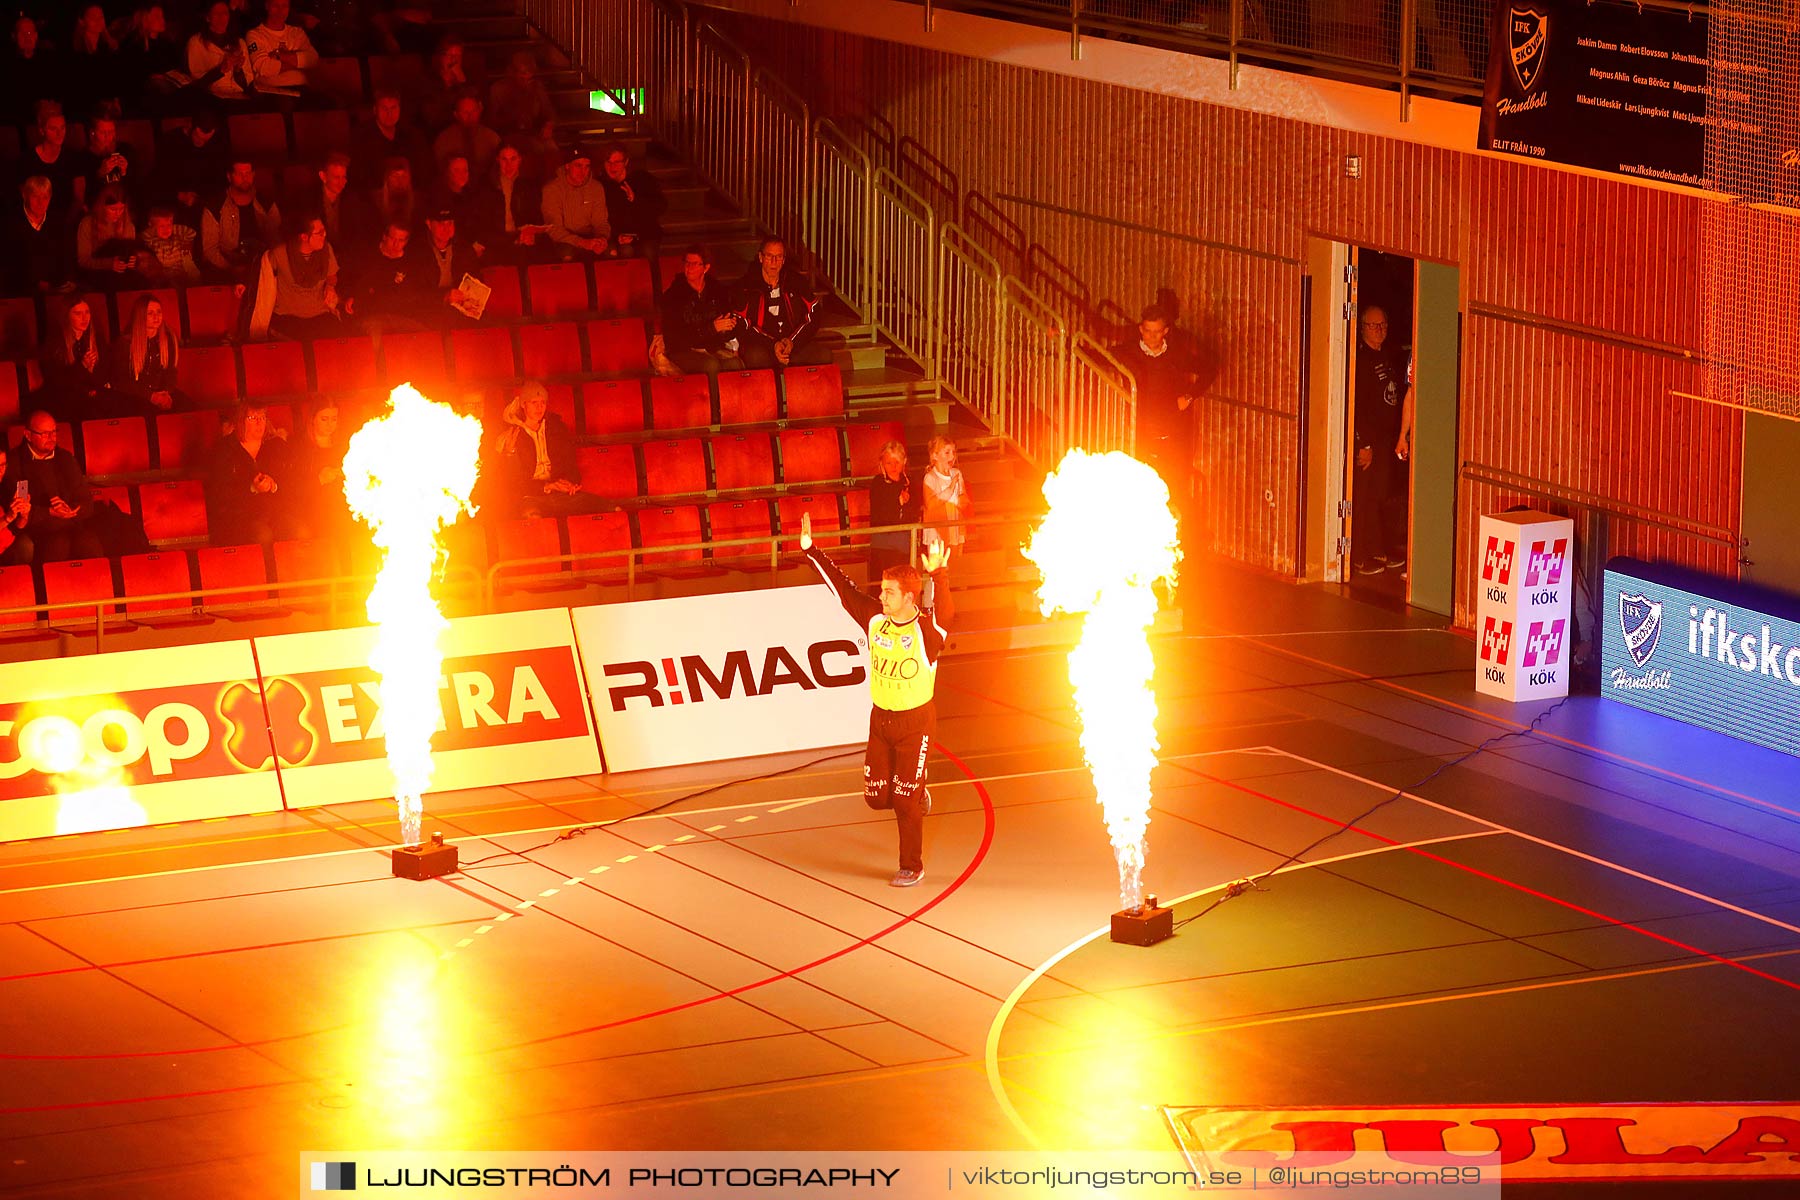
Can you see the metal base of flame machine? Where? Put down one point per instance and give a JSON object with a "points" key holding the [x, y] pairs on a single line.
{"points": [[426, 861], [1144, 926]]}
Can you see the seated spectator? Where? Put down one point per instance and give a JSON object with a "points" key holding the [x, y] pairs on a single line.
{"points": [[144, 359], [444, 259], [36, 244], [190, 167], [106, 243], [575, 208], [892, 501], [245, 502], [235, 232], [384, 138], [296, 288], [388, 288], [73, 360], [150, 61], [509, 216], [445, 80], [31, 70], [280, 53], [62, 520], [346, 215], [467, 136], [168, 257], [63, 166], [395, 200], [92, 68], [520, 110], [217, 59], [533, 460], [700, 318], [109, 162], [634, 203], [455, 192], [315, 475], [778, 311]]}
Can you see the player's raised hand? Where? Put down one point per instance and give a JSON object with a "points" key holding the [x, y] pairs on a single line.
{"points": [[935, 559], [805, 531]]}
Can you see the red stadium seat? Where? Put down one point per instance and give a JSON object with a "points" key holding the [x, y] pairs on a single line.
{"points": [[415, 358], [211, 313], [339, 79], [746, 397], [82, 579], [550, 350], [674, 468], [683, 402], [506, 302], [117, 494], [612, 408], [120, 446], [483, 355], [263, 135], [618, 347], [742, 461], [856, 507], [232, 567], [344, 364], [466, 548], [10, 406], [866, 439], [557, 289], [518, 542], [160, 573], [813, 392], [675, 526], [623, 288], [208, 373], [17, 590], [174, 511], [605, 536], [822, 505], [810, 456], [734, 519], [303, 560], [18, 328], [318, 132], [274, 369], [183, 438], [608, 471], [403, 73]]}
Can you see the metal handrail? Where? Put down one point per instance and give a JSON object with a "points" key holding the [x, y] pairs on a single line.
{"points": [[1501, 478]]}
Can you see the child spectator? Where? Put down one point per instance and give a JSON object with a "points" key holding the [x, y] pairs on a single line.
{"points": [[168, 258], [296, 287], [36, 243], [891, 502], [946, 500], [280, 54], [73, 360], [245, 502], [216, 57], [144, 359]]}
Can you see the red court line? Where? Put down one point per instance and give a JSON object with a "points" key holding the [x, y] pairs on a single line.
{"points": [[981, 853], [1517, 726], [1502, 880]]}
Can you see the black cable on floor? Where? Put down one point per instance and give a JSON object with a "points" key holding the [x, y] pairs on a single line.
{"points": [[1238, 887], [578, 830]]}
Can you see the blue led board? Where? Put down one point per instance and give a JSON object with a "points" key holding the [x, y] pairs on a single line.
{"points": [[1713, 654]]}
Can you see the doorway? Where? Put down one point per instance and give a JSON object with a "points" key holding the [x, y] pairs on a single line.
{"points": [[1383, 360]]}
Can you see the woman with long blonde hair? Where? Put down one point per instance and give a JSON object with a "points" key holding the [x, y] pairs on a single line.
{"points": [[144, 362]]}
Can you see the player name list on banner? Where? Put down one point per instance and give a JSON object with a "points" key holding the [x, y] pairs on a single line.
{"points": [[1599, 83]]}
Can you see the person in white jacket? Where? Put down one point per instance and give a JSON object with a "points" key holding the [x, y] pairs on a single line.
{"points": [[280, 54]]}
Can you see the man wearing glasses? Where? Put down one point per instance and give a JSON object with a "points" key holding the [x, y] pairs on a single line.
{"points": [[48, 504], [1379, 490]]}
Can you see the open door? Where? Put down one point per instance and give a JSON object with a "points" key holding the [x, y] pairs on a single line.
{"points": [[1437, 372]]}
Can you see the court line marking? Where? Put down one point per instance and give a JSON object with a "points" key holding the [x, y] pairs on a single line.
{"points": [[1548, 844], [991, 1051]]}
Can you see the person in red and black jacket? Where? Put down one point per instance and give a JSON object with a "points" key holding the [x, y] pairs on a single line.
{"points": [[779, 313]]}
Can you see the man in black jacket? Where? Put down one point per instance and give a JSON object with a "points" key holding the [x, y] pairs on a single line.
{"points": [[37, 244], [61, 520], [634, 203], [779, 312], [1166, 380], [509, 214], [441, 260], [699, 321]]}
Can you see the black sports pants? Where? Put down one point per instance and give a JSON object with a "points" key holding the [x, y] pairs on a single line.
{"points": [[894, 773]]}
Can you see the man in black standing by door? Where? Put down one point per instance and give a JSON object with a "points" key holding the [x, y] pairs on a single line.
{"points": [[1379, 489], [1166, 380]]}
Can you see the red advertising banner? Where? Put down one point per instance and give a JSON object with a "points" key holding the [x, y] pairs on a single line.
{"points": [[512, 708], [114, 741]]}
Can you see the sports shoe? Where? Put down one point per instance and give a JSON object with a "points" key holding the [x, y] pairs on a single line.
{"points": [[1369, 568], [906, 878]]}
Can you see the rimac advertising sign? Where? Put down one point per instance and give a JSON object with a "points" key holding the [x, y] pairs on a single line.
{"points": [[1702, 651]]}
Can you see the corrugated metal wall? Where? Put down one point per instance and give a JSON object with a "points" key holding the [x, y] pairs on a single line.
{"points": [[1581, 294]]}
